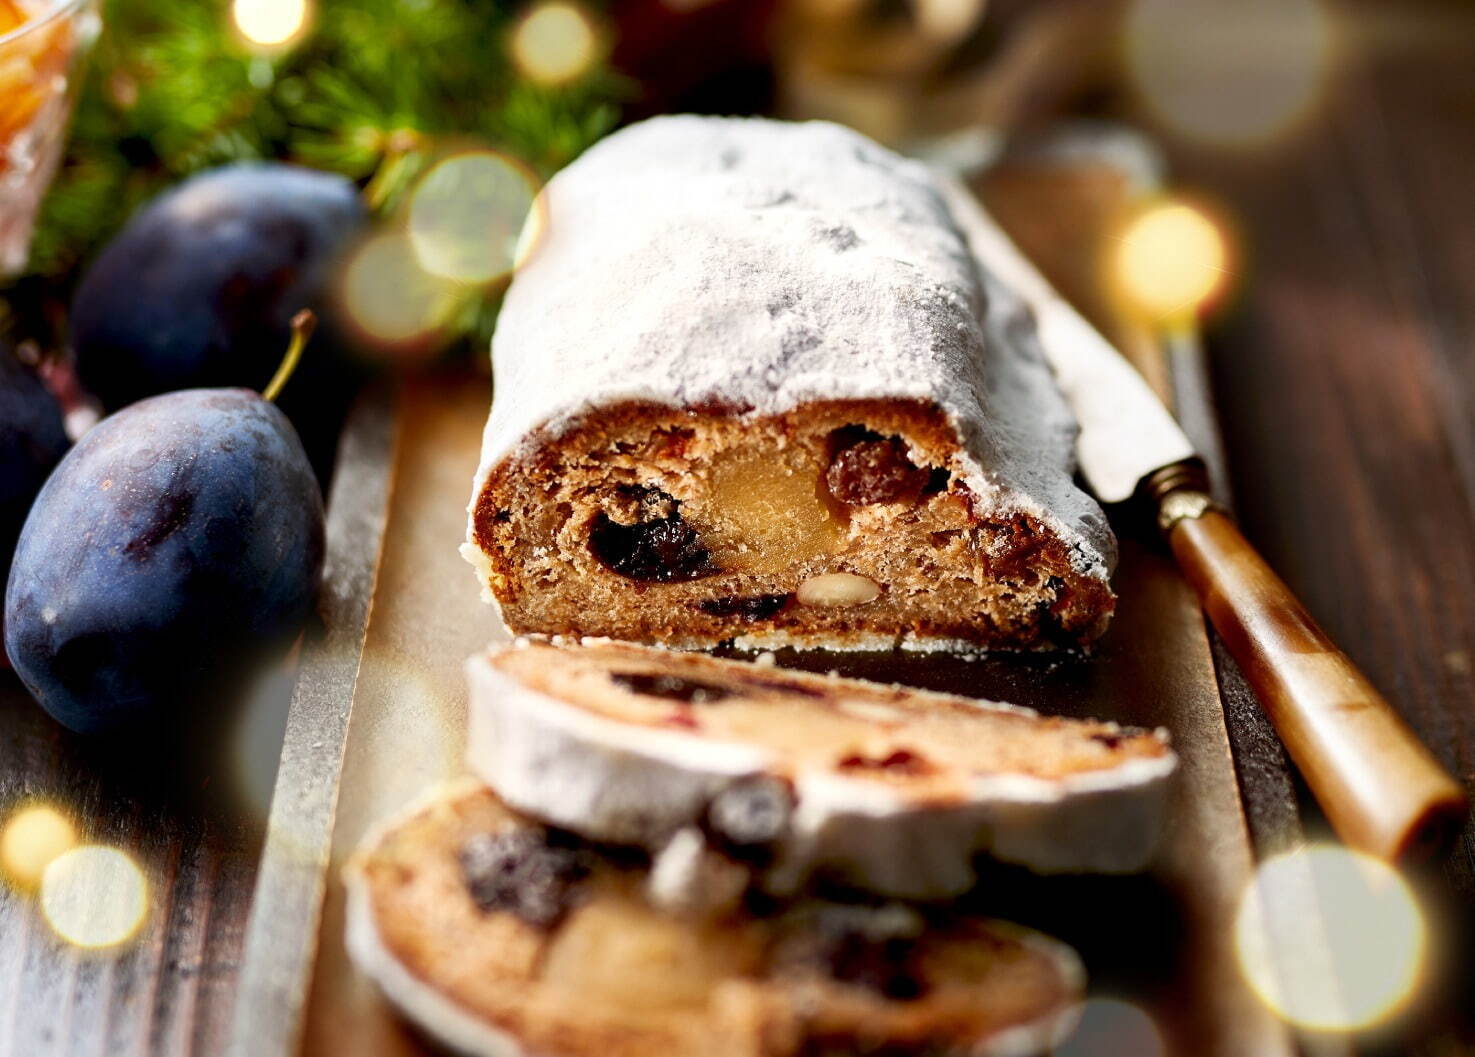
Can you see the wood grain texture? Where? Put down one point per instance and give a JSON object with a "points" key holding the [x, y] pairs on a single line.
{"points": [[196, 834], [193, 818], [1345, 381], [1346, 385], [287, 902], [407, 729], [1344, 373]]}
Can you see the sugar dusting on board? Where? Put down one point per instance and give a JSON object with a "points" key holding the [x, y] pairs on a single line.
{"points": [[764, 265]]}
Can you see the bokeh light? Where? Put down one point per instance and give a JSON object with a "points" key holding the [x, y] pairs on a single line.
{"points": [[555, 42], [256, 739], [270, 23], [1330, 939], [1110, 1027], [1168, 261], [94, 896], [411, 734], [34, 835], [1230, 75], [389, 298], [468, 217]]}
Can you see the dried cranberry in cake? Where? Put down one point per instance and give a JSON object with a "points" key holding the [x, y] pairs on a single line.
{"points": [[902, 761], [665, 551], [673, 687], [520, 872], [781, 686], [868, 468]]}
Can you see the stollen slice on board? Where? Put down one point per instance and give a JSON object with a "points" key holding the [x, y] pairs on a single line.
{"points": [[502, 938], [884, 788]]}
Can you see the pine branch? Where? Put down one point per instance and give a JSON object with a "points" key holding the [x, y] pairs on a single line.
{"points": [[376, 91]]}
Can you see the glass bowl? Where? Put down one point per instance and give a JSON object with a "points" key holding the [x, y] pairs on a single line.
{"points": [[40, 69]]}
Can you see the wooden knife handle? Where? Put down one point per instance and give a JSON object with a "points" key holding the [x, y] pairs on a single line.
{"points": [[1382, 790]]}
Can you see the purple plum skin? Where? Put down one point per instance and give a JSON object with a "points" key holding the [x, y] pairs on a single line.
{"points": [[32, 441], [200, 287], [177, 546]]}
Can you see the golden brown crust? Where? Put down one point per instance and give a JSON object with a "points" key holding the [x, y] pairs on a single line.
{"points": [[949, 570]]}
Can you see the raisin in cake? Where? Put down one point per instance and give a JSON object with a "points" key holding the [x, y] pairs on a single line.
{"points": [[887, 789], [502, 938], [752, 384]]}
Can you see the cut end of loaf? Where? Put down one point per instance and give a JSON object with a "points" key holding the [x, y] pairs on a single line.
{"points": [[850, 523]]}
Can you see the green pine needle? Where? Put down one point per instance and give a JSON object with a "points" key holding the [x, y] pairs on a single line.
{"points": [[376, 91]]}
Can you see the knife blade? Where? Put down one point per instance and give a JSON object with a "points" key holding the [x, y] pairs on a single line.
{"points": [[1126, 433], [1380, 787]]}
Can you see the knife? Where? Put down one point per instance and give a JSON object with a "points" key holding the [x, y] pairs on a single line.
{"points": [[1382, 790]]}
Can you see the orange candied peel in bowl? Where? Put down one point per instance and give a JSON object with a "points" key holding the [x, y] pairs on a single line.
{"points": [[30, 66], [11, 15]]}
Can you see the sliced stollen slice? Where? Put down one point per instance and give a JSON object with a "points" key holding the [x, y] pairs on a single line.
{"points": [[884, 788], [502, 938]]}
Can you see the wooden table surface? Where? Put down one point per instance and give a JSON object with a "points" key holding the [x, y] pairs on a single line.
{"points": [[1345, 370], [1345, 379]]}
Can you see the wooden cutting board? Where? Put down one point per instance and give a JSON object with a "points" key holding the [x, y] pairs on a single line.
{"points": [[389, 678]]}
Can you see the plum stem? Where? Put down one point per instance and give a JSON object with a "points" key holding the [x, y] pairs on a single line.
{"points": [[303, 324]]}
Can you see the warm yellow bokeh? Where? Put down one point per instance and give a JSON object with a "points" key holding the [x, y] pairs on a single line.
{"points": [[1330, 939], [270, 23], [555, 42], [389, 298], [1168, 261], [473, 217], [94, 896], [34, 835]]}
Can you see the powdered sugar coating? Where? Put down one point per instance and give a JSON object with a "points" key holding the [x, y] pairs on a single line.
{"points": [[762, 264]]}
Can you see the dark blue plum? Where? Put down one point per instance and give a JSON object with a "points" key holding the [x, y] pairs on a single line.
{"points": [[32, 441], [199, 289], [176, 547]]}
